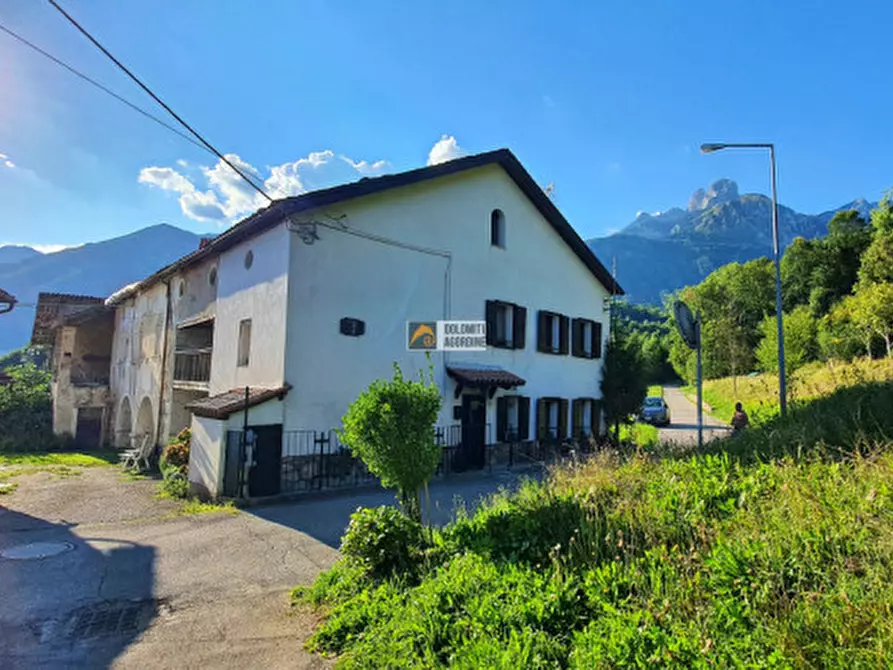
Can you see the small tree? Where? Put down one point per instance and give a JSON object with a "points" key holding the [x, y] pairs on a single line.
{"points": [[800, 346], [26, 409], [623, 382], [872, 307], [390, 427]]}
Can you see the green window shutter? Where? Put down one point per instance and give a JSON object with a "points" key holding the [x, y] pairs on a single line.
{"points": [[562, 418], [501, 418], [541, 418], [563, 338], [542, 331], [577, 414], [577, 337], [490, 318], [523, 418], [596, 340], [519, 326]]}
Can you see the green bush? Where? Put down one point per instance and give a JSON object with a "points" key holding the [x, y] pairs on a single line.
{"points": [[384, 542], [174, 465], [26, 411], [390, 427]]}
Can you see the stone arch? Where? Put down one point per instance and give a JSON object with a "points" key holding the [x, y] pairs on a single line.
{"points": [[124, 424], [145, 421]]}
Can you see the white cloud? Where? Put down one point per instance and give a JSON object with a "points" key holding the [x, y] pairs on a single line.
{"points": [[182, 163], [228, 197], [365, 168], [445, 149], [9, 164]]}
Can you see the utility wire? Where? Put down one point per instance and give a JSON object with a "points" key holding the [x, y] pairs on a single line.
{"points": [[101, 87], [143, 86]]}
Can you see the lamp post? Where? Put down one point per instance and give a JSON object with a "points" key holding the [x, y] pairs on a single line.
{"points": [[7, 302], [710, 148]]}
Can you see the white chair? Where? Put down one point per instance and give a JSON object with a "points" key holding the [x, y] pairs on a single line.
{"points": [[140, 454]]}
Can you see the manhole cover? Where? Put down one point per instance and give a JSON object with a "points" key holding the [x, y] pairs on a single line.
{"points": [[113, 618], [36, 550]]}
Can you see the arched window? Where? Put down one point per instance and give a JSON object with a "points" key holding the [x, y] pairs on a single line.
{"points": [[497, 228]]}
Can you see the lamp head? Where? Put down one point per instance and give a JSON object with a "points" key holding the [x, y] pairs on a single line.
{"points": [[710, 148]]}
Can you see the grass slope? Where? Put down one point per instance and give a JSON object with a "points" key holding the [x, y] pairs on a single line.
{"points": [[759, 393], [775, 550]]}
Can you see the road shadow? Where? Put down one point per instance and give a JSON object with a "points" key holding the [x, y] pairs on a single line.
{"points": [[69, 601], [325, 518]]}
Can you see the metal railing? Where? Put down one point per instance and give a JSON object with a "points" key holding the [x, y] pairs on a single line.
{"points": [[314, 461], [193, 365]]}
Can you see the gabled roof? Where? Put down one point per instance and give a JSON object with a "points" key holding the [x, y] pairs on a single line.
{"points": [[6, 297], [53, 306], [270, 216]]}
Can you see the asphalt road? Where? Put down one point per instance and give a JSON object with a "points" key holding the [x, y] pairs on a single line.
{"points": [[683, 428], [137, 588]]}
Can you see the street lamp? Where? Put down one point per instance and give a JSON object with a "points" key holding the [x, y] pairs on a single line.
{"points": [[7, 302], [709, 149]]}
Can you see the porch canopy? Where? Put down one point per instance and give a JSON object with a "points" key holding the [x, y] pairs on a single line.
{"points": [[487, 377]]}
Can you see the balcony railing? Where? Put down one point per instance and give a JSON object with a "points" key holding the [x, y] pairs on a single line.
{"points": [[193, 365]]}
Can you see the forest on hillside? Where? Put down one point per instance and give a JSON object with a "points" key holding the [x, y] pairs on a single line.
{"points": [[837, 295]]}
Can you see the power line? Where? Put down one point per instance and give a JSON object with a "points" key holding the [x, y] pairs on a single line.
{"points": [[101, 87], [137, 80]]}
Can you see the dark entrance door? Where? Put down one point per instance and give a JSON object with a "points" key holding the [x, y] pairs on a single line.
{"points": [[89, 427], [266, 471], [474, 432]]}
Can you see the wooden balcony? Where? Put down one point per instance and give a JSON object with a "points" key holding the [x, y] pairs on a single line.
{"points": [[192, 366]]}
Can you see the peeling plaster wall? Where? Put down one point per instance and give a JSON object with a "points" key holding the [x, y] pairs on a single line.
{"points": [[137, 354], [69, 368], [342, 275], [139, 343]]}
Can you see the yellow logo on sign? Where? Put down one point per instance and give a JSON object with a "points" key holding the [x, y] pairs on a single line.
{"points": [[422, 335]]}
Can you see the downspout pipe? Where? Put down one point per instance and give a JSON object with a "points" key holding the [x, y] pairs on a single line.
{"points": [[167, 325]]}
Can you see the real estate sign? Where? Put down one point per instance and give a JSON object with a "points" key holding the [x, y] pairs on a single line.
{"points": [[446, 335]]}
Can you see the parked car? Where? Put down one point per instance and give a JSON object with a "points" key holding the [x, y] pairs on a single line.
{"points": [[655, 411]]}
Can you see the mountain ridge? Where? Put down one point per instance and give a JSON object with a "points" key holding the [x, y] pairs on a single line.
{"points": [[719, 226], [95, 268]]}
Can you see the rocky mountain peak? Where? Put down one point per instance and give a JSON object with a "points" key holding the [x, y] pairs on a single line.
{"points": [[720, 191]]}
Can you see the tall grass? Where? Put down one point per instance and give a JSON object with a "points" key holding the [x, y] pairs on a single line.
{"points": [[759, 393], [776, 552]]}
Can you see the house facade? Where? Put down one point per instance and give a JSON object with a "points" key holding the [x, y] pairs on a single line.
{"points": [[293, 312]]}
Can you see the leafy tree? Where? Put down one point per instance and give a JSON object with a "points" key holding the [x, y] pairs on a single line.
{"points": [[623, 382], [820, 272], [390, 426], [872, 312], [800, 345], [837, 337], [882, 215], [798, 271], [877, 261], [26, 409]]}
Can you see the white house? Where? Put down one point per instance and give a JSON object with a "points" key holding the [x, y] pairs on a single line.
{"points": [[295, 310]]}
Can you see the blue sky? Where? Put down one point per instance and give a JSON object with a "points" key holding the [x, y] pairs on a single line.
{"points": [[609, 101]]}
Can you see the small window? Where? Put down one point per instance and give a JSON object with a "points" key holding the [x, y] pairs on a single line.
{"points": [[249, 259], [244, 342], [181, 289], [587, 338], [512, 418], [551, 418], [497, 228], [586, 418], [552, 335], [212, 276], [506, 324]]}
